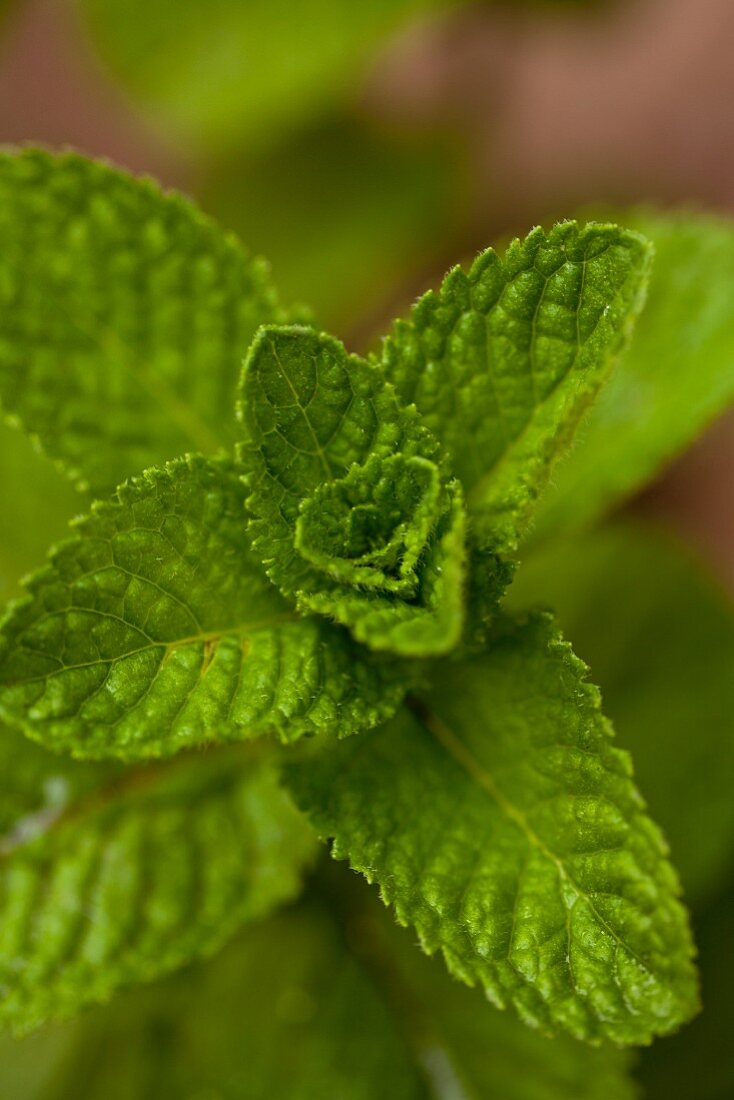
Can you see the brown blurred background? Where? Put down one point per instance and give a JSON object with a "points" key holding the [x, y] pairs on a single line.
{"points": [[550, 106]]}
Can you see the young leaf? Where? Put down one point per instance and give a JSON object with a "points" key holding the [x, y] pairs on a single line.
{"points": [[154, 629], [503, 361], [124, 317], [659, 637], [305, 1009], [675, 378], [351, 511], [500, 822], [140, 876]]}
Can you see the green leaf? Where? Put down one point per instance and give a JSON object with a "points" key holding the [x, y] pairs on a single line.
{"points": [[659, 636], [305, 1009], [504, 359], [500, 821], [135, 878], [469, 1049], [124, 317], [155, 629], [224, 74], [351, 511], [676, 377]]}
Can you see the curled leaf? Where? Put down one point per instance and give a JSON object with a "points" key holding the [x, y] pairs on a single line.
{"points": [[352, 511]]}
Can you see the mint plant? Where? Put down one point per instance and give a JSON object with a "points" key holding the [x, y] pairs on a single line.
{"points": [[289, 610]]}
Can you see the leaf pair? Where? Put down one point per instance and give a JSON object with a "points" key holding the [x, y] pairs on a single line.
{"points": [[352, 513]]}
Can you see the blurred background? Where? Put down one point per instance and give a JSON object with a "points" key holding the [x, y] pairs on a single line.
{"points": [[365, 147]]}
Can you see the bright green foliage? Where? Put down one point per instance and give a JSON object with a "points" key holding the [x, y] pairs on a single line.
{"points": [[379, 207], [659, 636], [220, 73], [364, 520], [296, 1009], [504, 359], [351, 511], [154, 629], [124, 317], [470, 1045], [500, 821], [677, 375], [131, 880]]}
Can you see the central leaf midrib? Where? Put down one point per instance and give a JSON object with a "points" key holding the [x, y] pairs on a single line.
{"points": [[170, 647], [317, 445], [452, 744]]}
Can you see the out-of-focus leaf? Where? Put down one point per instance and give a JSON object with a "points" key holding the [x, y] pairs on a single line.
{"points": [[122, 883], [659, 636], [677, 375], [221, 72], [124, 317], [344, 213], [302, 1008]]}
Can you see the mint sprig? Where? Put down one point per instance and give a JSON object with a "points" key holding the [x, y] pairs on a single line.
{"points": [[339, 566]]}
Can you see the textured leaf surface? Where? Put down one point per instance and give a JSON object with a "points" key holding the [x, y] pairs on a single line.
{"points": [[675, 378], [154, 629], [472, 1051], [137, 877], [500, 821], [504, 359], [351, 511], [303, 1009], [124, 317], [659, 637], [225, 73]]}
